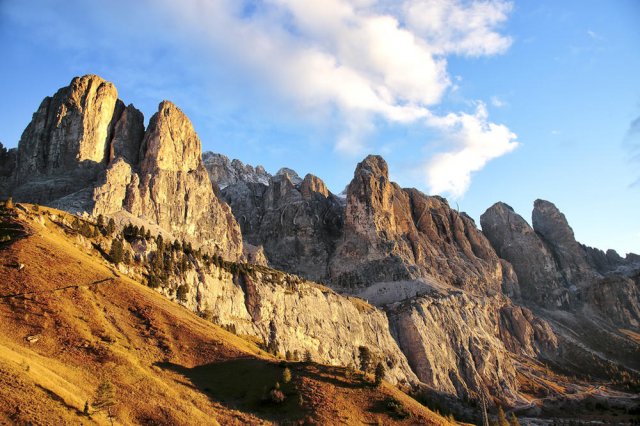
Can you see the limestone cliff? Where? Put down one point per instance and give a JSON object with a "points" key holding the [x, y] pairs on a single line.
{"points": [[515, 241], [84, 151], [297, 224], [555, 271], [394, 234]]}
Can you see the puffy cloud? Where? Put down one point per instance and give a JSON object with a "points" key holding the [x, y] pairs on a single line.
{"points": [[476, 141], [352, 61], [370, 59], [453, 26]]}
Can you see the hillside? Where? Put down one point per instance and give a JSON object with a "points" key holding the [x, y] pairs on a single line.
{"points": [[70, 322]]}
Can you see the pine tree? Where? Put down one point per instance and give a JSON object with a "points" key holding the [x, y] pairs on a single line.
{"points": [[100, 221], [117, 251], [181, 293], [111, 226], [380, 373], [364, 355]]}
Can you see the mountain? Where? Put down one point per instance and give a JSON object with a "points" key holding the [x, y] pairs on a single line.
{"points": [[516, 315], [84, 151], [73, 321]]}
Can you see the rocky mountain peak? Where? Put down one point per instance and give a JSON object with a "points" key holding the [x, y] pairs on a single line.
{"points": [[71, 130], [549, 222], [515, 241], [372, 165], [224, 172], [170, 142], [313, 185], [291, 174]]}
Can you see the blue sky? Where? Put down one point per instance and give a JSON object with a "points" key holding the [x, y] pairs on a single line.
{"points": [[478, 101]]}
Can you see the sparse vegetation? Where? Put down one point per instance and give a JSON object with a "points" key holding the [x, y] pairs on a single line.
{"points": [[379, 374], [105, 398]]}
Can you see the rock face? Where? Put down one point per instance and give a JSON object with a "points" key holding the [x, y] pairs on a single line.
{"points": [[570, 256], [515, 241], [549, 261], [297, 224], [224, 172], [393, 234], [463, 345], [67, 142], [85, 151], [173, 188]]}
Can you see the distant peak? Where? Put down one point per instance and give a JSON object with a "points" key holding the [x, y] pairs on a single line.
{"points": [[374, 165]]}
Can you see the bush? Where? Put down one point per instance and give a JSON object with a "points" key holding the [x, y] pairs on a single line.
{"points": [[277, 396], [396, 408], [286, 375]]}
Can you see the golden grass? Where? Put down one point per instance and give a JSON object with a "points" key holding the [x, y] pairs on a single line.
{"points": [[168, 365]]}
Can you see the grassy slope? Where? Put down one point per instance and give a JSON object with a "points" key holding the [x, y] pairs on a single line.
{"points": [[168, 365]]}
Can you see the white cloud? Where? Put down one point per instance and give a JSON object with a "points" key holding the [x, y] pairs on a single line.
{"points": [[476, 141], [367, 59], [454, 26], [352, 61]]}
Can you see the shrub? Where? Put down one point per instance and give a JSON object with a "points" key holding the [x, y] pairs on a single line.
{"points": [[277, 396], [286, 375]]}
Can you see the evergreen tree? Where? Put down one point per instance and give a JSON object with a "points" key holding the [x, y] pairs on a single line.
{"points": [[380, 373], [117, 251], [364, 355], [181, 293], [100, 221]]}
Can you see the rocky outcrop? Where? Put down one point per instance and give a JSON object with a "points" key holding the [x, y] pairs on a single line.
{"points": [[66, 144], [393, 234], [549, 261], [297, 224], [172, 188], [84, 151], [514, 240], [224, 172], [464, 345], [127, 136], [570, 256], [283, 312]]}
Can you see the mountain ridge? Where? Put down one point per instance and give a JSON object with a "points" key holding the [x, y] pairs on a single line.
{"points": [[457, 309]]}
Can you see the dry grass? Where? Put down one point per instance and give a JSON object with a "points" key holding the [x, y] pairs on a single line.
{"points": [[168, 365]]}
